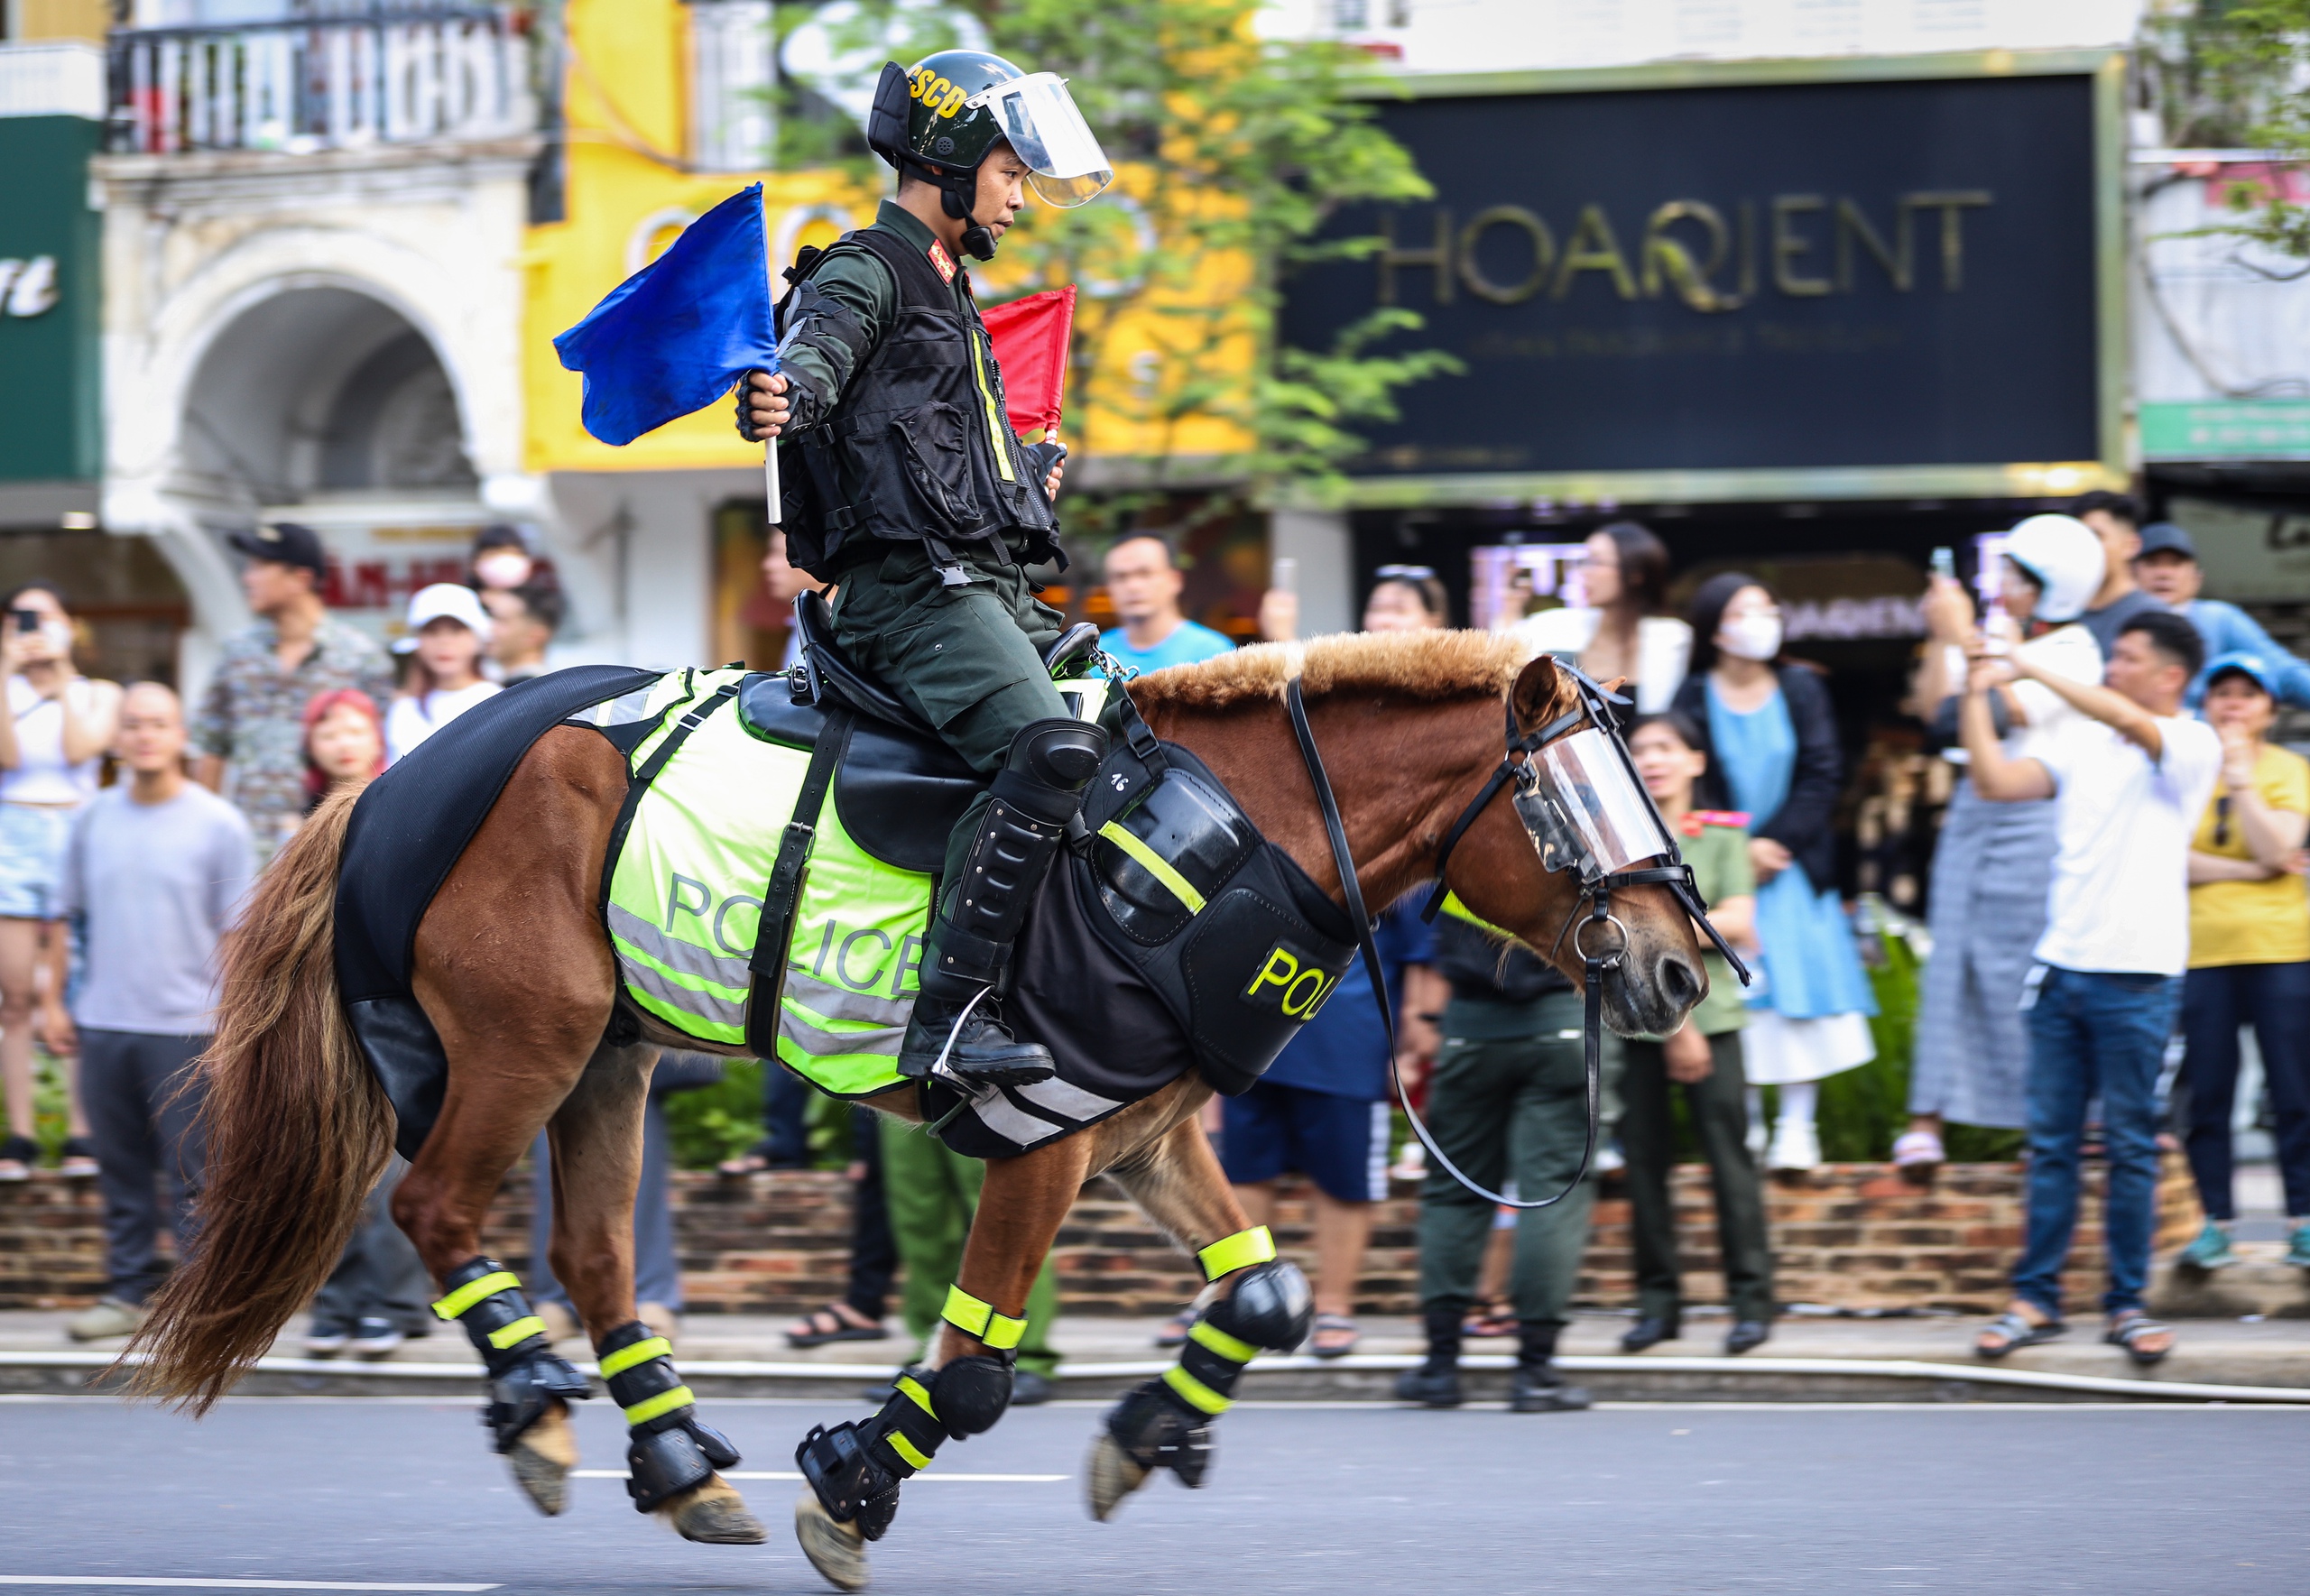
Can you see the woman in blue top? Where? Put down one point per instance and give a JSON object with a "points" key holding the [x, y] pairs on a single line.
{"points": [[1774, 754]]}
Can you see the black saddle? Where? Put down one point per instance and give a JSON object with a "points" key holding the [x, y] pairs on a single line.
{"points": [[829, 675]]}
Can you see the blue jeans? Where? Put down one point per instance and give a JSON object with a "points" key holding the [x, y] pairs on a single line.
{"points": [[2094, 1034]]}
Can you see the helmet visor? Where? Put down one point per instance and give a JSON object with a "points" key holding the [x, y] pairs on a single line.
{"points": [[1040, 118]]}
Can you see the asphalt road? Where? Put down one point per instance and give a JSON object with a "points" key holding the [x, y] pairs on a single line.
{"points": [[1305, 1498]]}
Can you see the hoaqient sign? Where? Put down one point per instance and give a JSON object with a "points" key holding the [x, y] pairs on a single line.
{"points": [[1778, 278]]}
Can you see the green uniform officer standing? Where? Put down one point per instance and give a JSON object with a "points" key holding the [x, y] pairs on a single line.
{"points": [[908, 488]]}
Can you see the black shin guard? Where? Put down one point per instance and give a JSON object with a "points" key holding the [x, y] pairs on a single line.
{"points": [[670, 1449], [524, 1374], [1166, 1422], [857, 1469]]}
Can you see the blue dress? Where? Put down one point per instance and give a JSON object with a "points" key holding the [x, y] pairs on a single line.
{"points": [[1811, 967]]}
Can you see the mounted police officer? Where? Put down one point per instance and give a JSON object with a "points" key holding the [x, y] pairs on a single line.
{"points": [[908, 488]]}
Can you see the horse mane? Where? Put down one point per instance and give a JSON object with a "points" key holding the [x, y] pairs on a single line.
{"points": [[1428, 665]]}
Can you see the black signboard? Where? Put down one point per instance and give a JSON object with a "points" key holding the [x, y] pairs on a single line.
{"points": [[1779, 277]]}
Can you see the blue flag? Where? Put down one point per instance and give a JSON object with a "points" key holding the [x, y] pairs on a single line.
{"points": [[674, 336]]}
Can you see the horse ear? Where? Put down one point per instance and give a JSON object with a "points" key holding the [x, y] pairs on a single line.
{"points": [[1537, 687]]}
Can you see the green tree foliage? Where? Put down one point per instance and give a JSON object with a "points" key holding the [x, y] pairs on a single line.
{"points": [[2236, 74], [1235, 151]]}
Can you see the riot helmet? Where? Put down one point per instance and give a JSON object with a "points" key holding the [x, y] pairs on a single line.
{"points": [[941, 119]]}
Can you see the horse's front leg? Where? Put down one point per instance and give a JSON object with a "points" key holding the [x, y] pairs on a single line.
{"points": [[1254, 1302], [855, 1470], [671, 1455]]}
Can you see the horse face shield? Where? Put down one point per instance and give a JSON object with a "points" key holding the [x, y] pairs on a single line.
{"points": [[1580, 799]]}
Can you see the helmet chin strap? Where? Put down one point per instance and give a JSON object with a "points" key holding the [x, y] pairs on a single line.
{"points": [[957, 190]]}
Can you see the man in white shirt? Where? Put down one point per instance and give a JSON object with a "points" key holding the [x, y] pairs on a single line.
{"points": [[2133, 778]]}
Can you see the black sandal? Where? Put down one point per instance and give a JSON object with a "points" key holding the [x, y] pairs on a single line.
{"points": [[843, 1330], [79, 1160], [2016, 1332], [2128, 1327]]}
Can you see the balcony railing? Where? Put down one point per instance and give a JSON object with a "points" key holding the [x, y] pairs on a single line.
{"points": [[732, 69], [327, 83]]}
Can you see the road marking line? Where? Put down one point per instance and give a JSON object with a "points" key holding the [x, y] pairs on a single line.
{"points": [[778, 1475], [34, 1579]]}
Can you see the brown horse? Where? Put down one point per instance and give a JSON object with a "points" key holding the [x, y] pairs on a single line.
{"points": [[516, 970]]}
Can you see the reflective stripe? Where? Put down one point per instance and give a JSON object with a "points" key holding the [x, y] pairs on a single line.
{"points": [[659, 1406], [969, 1314], [520, 1330], [1060, 1098], [1206, 1334], [906, 1449], [1230, 1253], [1000, 1115], [686, 958], [1460, 911], [1202, 1396], [914, 1388], [641, 1352], [825, 999], [648, 981], [472, 1291], [995, 423], [1154, 865], [839, 1044]]}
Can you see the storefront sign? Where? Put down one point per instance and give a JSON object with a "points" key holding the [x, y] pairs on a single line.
{"points": [[2226, 429], [49, 321], [1783, 277]]}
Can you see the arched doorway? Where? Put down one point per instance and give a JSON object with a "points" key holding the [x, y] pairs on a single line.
{"points": [[324, 404]]}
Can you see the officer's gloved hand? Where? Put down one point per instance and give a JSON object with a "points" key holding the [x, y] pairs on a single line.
{"points": [[1046, 460], [764, 408]]}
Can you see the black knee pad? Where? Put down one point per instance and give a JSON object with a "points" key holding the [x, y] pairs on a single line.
{"points": [[970, 1394], [1159, 1430], [1270, 1308]]}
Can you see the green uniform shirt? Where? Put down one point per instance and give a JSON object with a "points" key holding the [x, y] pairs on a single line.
{"points": [[1719, 855]]}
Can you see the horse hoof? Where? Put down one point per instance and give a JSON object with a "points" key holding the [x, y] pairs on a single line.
{"points": [[542, 1459], [1109, 1476], [713, 1513], [837, 1551]]}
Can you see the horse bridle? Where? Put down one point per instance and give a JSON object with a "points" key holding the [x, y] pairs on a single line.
{"points": [[1517, 765]]}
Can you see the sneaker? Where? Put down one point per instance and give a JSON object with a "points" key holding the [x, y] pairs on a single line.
{"points": [[79, 1160], [374, 1338], [110, 1318], [2212, 1248], [1609, 1159], [2297, 1247], [327, 1341], [1796, 1148]]}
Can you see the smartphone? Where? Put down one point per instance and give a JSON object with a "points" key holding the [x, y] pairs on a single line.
{"points": [[1283, 574], [1944, 564], [24, 620]]}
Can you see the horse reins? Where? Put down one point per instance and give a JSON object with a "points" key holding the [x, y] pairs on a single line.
{"points": [[1595, 707]]}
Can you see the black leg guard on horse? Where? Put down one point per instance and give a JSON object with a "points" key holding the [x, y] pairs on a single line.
{"points": [[1166, 1424], [672, 1449], [856, 1468], [524, 1374]]}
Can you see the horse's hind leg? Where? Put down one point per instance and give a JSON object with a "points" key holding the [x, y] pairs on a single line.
{"points": [[1255, 1303], [596, 1136], [855, 1470]]}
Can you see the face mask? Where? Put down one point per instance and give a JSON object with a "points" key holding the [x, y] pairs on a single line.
{"points": [[503, 567], [1751, 637]]}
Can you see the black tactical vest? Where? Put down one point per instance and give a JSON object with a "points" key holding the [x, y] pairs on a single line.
{"points": [[920, 447]]}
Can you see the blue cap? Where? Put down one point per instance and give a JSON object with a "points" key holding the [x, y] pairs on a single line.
{"points": [[2245, 661]]}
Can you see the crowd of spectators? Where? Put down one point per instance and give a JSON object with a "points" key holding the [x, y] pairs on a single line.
{"points": [[2123, 856]]}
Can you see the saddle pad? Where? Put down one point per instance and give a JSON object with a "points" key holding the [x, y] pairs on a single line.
{"points": [[684, 902]]}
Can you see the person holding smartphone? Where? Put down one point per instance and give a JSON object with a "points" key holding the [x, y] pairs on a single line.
{"points": [[55, 725]]}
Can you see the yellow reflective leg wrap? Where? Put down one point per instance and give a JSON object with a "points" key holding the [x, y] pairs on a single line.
{"points": [[967, 1313], [486, 1300], [1240, 1250], [1209, 1366], [638, 1367], [908, 1427]]}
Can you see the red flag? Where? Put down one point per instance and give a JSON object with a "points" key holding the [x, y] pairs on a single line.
{"points": [[1031, 336]]}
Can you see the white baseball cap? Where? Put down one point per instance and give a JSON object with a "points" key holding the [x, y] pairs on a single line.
{"points": [[2066, 559], [450, 600]]}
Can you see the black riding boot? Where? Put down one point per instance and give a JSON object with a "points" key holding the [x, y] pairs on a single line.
{"points": [[1437, 1383], [955, 1030], [1536, 1387]]}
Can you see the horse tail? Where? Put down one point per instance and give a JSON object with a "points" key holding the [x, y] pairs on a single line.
{"points": [[297, 1130]]}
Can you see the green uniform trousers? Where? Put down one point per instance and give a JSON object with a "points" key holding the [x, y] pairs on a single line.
{"points": [[969, 660], [931, 1194], [1503, 1105], [1720, 1116]]}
